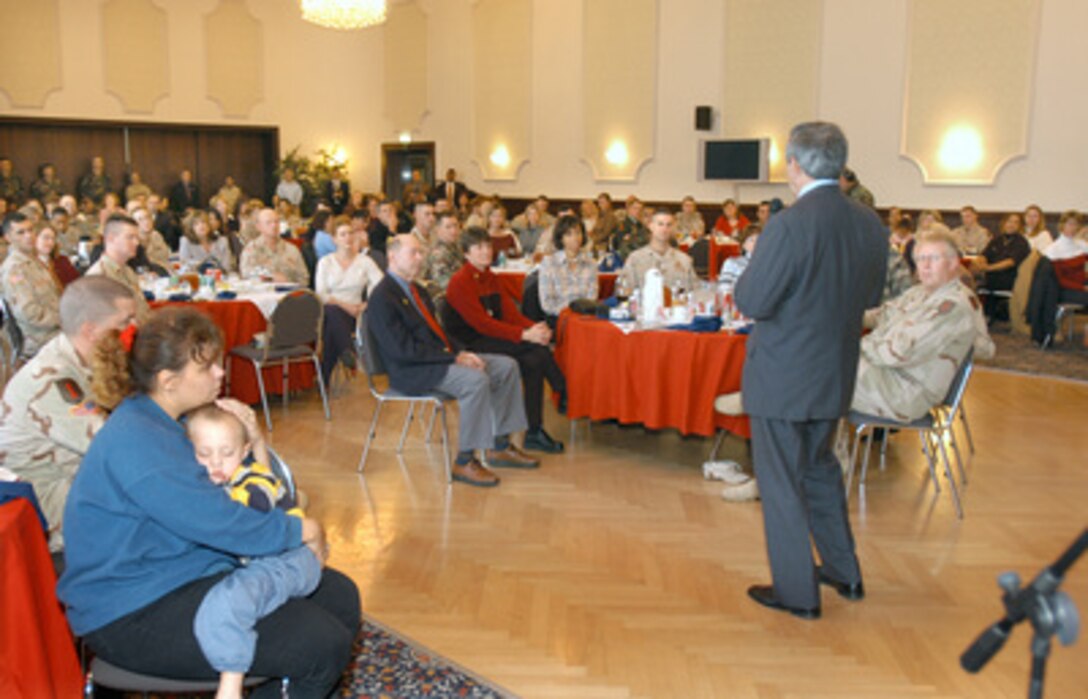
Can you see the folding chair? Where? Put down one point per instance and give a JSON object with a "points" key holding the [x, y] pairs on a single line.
{"points": [[1065, 311], [932, 429], [294, 335], [374, 367]]}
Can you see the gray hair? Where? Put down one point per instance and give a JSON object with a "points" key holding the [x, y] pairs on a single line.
{"points": [[91, 300], [820, 149]]}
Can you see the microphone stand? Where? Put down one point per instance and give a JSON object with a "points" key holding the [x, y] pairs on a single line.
{"points": [[1050, 611]]}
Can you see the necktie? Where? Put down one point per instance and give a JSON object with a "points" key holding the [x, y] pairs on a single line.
{"points": [[431, 322]]}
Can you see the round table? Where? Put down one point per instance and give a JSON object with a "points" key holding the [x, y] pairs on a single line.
{"points": [[659, 378], [240, 321]]}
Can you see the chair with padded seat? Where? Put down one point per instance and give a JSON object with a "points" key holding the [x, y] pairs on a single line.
{"points": [[375, 368], [105, 674], [293, 336], [933, 428], [1065, 311]]}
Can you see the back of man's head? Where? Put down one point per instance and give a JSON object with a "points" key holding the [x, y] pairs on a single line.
{"points": [[116, 223], [91, 300], [819, 148]]}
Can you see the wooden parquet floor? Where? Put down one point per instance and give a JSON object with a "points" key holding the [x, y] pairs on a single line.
{"points": [[616, 571]]}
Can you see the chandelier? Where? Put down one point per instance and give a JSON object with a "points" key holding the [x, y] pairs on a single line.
{"points": [[344, 14]]}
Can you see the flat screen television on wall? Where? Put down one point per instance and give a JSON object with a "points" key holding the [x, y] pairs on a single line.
{"points": [[738, 160]]}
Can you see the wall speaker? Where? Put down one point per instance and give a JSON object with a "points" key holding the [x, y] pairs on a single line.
{"points": [[703, 117]]}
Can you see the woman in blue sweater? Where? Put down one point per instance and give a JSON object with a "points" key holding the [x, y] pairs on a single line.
{"points": [[151, 534]]}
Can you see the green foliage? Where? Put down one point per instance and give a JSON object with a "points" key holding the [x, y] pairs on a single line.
{"points": [[312, 173]]}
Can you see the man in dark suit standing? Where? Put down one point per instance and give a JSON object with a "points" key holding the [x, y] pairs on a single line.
{"points": [[337, 192], [449, 189], [185, 194], [818, 266], [421, 358]]}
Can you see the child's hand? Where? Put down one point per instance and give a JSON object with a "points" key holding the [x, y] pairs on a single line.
{"points": [[245, 415], [313, 536]]}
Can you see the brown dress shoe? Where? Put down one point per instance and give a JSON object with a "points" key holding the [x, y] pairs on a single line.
{"points": [[510, 457], [474, 473]]}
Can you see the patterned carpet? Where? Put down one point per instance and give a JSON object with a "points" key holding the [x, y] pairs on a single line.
{"points": [[1064, 359], [389, 666]]}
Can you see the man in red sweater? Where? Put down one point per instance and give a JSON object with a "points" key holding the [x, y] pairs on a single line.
{"points": [[485, 319]]}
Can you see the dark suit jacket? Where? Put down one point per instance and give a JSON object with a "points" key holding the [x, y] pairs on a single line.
{"points": [[415, 357], [337, 197], [816, 268], [439, 191], [182, 198]]}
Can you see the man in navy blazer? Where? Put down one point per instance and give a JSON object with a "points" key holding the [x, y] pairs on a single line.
{"points": [[818, 266], [421, 359]]}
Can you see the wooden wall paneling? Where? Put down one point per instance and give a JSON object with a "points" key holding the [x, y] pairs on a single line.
{"points": [[69, 147], [245, 155], [159, 154]]}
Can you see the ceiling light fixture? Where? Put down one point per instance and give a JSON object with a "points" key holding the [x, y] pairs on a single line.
{"points": [[344, 14]]}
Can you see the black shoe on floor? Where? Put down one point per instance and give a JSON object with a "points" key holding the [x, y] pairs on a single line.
{"points": [[539, 440], [851, 591], [764, 594]]}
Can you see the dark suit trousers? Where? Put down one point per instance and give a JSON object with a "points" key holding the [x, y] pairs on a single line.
{"points": [[800, 482], [536, 364]]}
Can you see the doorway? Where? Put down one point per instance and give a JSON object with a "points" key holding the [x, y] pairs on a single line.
{"points": [[400, 161]]}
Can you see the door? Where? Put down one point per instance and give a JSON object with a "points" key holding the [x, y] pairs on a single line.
{"points": [[400, 161]]}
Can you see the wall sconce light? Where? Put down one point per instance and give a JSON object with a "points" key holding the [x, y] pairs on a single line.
{"points": [[773, 154], [961, 149], [500, 157], [617, 153], [405, 137], [338, 155]]}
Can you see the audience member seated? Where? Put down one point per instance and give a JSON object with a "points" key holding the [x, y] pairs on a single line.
{"points": [[734, 266], [423, 219], [230, 194], [289, 189], [148, 534], [31, 290], [94, 184], [485, 319], [604, 226], [920, 339], [360, 226], [1072, 252], [384, 226], [930, 221], [569, 273], [763, 214], [46, 247], [415, 190], [341, 281], [675, 266], [11, 185], [321, 233], [164, 221], [136, 188], [630, 234], [902, 234], [690, 225], [421, 358], [48, 188], [529, 228], [503, 240], [270, 256], [1003, 255], [225, 623], [853, 188], [120, 243], [444, 258], [1035, 229], [184, 195], [49, 414], [970, 237], [201, 248], [480, 212], [731, 223]]}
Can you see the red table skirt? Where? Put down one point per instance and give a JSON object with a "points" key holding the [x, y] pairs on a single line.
{"points": [[719, 253], [664, 378], [37, 653], [240, 321], [513, 283]]}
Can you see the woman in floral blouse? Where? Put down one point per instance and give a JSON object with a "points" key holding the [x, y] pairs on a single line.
{"points": [[569, 273]]}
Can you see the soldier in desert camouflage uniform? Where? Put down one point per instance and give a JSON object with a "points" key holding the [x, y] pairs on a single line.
{"points": [[120, 243], [444, 257], [11, 185], [31, 289], [921, 338], [95, 183], [269, 255], [47, 416]]}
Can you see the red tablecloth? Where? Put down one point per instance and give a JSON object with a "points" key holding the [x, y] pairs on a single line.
{"points": [[240, 321], [664, 378], [37, 653], [719, 253], [514, 282]]}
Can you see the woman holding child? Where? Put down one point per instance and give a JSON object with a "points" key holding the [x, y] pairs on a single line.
{"points": [[149, 533]]}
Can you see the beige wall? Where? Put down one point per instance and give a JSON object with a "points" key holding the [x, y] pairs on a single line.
{"points": [[323, 87]]}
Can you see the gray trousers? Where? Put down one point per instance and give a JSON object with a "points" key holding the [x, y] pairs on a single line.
{"points": [[224, 622], [800, 482], [490, 401]]}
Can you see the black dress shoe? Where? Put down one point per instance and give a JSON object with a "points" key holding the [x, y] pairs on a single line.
{"points": [[764, 594], [539, 440], [851, 591]]}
